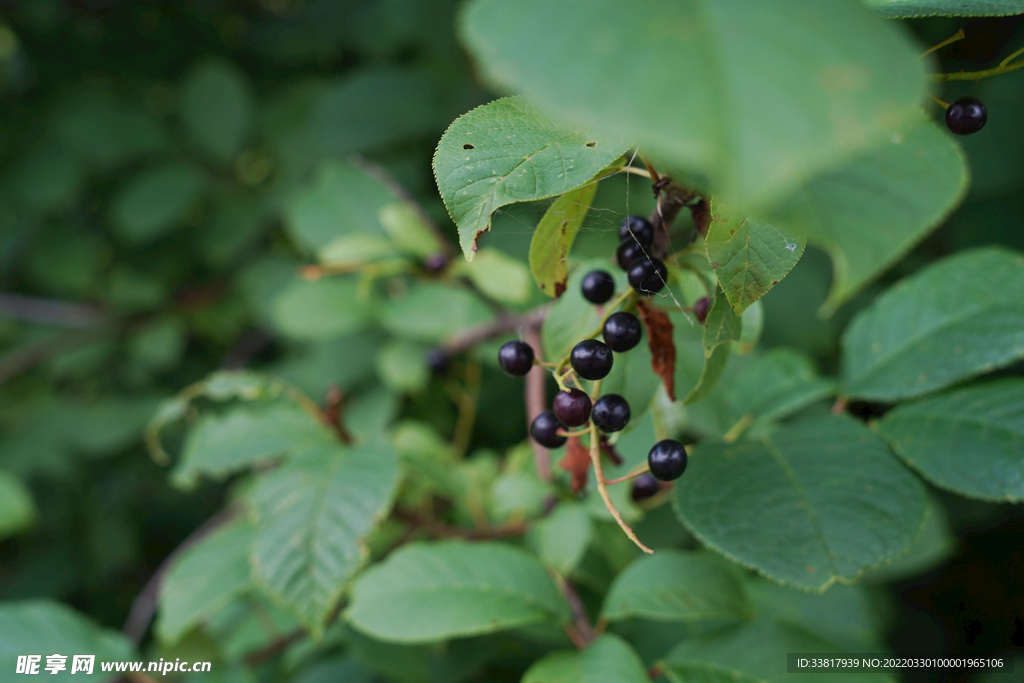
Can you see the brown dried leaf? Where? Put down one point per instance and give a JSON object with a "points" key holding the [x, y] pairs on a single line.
{"points": [[609, 450], [659, 339], [576, 462]]}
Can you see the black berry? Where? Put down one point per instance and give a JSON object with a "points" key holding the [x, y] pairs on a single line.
{"points": [[572, 408], [637, 229], [611, 413], [598, 286], [437, 360], [644, 486], [967, 115], [628, 253], [436, 262], [667, 459], [621, 331], [700, 309], [647, 275], [544, 430], [591, 359], [515, 358]]}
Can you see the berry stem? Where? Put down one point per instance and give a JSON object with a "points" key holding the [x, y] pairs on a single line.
{"points": [[570, 434], [595, 458], [1010, 58], [467, 407], [636, 171], [978, 75], [736, 431], [959, 35], [631, 475], [944, 105]]}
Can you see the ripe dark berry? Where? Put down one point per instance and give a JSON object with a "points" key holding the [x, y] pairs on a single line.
{"points": [[436, 262], [572, 408], [544, 430], [644, 486], [621, 331], [967, 115], [647, 275], [700, 309], [598, 286], [667, 459], [611, 413], [515, 358], [637, 229], [591, 359], [628, 253], [437, 360]]}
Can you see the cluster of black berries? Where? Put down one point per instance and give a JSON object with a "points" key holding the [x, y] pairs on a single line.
{"points": [[965, 116], [646, 274]]}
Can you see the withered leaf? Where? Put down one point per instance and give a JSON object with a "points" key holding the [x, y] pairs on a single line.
{"points": [[659, 338], [576, 462]]}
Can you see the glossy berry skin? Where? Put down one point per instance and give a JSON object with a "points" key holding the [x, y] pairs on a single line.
{"points": [[667, 460], [700, 309], [572, 408], [638, 229], [598, 286], [644, 486], [628, 253], [621, 331], [967, 115], [647, 275], [437, 360], [591, 359], [611, 413], [515, 358], [544, 430]]}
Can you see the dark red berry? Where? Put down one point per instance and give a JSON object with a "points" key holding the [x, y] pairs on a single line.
{"points": [[438, 360], [644, 486], [700, 309], [647, 275], [598, 286], [628, 253], [572, 408], [515, 358], [436, 262], [591, 359], [967, 115], [611, 413], [621, 331], [637, 229], [666, 459], [544, 430]]}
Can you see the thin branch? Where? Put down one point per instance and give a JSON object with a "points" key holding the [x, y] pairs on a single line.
{"points": [[274, 648], [27, 356], [581, 626], [145, 603], [51, 312], [535, 398], [467, 404], [952, 39], [501, 325], [978, 75], [333, 405], [441, 530]]}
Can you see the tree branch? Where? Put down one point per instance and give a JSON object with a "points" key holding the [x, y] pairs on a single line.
{"points": [[51, 312], [535, 397], [581, 632], [501, 325]]}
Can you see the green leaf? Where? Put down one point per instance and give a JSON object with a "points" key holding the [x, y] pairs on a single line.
{"points": [[45, 627], [755, 652], [497, 275], [777, 384], [632, 378], [424, 592], [704, 62], [749, 256], [814, 502], [432, 312], [721, 325], [608, 659], [672, 585], [869, 212], [510, 151], [340, 202], [321, 309], [712, 371], [899, 9], [104, 130], [969, 441], [407, 229], [934, 546], [313, 515], [571, 317], [244, 436], [696, 376], [401, 366], [217, 108], [561, 538], [553, 238], [17, 508], [205, 579], [155, 202], [951, 320]]}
